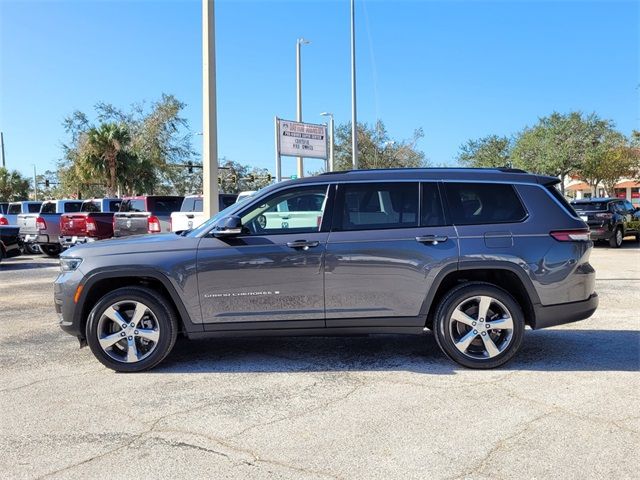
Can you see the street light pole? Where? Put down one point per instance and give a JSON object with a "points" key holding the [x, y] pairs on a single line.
{"points": [[299, 42], [209, 118], [354, 119], [331, 137], [4, 162], [35, 183]]}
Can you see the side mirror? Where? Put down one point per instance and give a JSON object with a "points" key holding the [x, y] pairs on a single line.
{"points": [[228, 227]]}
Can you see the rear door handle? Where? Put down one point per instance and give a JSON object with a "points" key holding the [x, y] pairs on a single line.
{"points": [[303, 244], [433, 239]]}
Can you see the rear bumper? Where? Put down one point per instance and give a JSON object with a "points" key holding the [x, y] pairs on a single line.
{"points": [[600, 233], [70, 241], [552, 315]]}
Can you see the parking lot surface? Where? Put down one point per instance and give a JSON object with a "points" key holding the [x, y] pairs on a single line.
{"points": [[297, 408]]}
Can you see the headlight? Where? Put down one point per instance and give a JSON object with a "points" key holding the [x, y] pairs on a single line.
{"points": [[69, 264]]}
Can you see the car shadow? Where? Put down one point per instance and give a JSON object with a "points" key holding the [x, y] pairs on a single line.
{"points": [[23, 262], [545, 350]]}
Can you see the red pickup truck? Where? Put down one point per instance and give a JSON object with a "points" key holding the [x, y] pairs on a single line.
{"points": [[93, 222]]}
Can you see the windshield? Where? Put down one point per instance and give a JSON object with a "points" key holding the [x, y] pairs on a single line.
{"points": [[590, 206], [206, 226]]}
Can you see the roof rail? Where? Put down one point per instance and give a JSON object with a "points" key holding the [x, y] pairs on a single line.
{"points": [[401, 169]]}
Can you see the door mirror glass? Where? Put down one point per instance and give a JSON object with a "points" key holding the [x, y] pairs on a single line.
{"points": [[228, 227]]}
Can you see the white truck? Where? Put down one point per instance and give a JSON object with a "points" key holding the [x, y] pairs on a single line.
{"points": [[191, 213]]}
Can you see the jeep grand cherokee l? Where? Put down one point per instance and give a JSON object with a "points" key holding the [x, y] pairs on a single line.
{"points": [[473, 255]]}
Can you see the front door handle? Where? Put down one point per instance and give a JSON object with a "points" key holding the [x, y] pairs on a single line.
{"points": [[433, 239], [303, 244]]}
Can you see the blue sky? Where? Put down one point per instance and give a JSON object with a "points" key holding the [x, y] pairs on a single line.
{"points": [[458, 69]]}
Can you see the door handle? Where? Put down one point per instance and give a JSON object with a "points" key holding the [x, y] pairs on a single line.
{"points": [[433, 239], [303, 244]]}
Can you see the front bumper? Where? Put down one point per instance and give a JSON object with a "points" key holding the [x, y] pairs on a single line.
{"points": [[552, 315], [64, 289]]}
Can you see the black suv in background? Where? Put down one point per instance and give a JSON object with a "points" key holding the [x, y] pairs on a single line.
{"points": [[608, 219], [473, 255]]}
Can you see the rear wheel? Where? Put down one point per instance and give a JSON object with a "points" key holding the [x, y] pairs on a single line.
{"points": [[32, 248], [479, 325], [616, 240], [131, 329], [51, 250]]}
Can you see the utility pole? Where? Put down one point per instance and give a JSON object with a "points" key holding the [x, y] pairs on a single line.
{"points": [[299, 42], [209, 117], [4, 162], [354, 119], [330, 166]]}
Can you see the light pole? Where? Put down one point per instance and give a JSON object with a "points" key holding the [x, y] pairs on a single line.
{"points": [[209, 118], [299, 42], [4, 162], [331, 136], [354, 119], [35, 183]]}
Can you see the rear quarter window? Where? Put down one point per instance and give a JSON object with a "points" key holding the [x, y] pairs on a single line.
{"points": [[32, 207], [16, 208], [114, 205], [133, 205], [91, 207], [483, 203]]}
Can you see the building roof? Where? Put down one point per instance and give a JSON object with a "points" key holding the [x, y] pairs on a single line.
{"points": [[578, 186], [628, 184]]}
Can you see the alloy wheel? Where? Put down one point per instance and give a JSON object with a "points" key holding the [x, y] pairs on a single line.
{"points": [[481, 327], [128, 331]]}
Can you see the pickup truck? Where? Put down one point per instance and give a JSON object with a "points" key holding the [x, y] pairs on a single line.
{"points": [[43, 228], [10, 217], [145, 214], [9, 241], [93, 222], [191, 215]]}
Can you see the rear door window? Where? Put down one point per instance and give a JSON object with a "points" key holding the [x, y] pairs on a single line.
{"points": [[483, 203], [372, 206], [16, 208], [431, 206], [114, 205], [90, 207]]}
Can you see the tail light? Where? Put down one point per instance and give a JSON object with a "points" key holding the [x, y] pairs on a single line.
{"points": [[91, 225], [604, 215], [153, 224], [4, 221], [581, 235], [41, 224]]}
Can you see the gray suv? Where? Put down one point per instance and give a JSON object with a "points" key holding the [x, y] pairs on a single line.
{"points": [[473, 255]]}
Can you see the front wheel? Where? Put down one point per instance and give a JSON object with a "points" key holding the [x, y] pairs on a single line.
{"points": [[479, 325], [131, 329]]}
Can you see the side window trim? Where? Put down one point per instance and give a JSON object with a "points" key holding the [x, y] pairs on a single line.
{"points": [[443, 209]]}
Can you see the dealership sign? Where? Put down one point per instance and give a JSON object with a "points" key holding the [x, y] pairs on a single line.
{"points": [[297, 139]]}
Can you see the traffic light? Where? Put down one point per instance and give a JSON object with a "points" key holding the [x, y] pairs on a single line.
{"points": [[190, 166], [269, 177], [46, 183], [251, 177], [234, 179], [219, 181]]}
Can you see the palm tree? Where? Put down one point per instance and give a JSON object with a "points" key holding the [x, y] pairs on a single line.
{"points": [[105, 145]]}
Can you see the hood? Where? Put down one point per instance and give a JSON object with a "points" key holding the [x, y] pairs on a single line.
{"points": [[135, 244]]}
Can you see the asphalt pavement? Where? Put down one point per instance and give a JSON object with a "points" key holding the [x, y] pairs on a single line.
{"points": [[369, 407]]}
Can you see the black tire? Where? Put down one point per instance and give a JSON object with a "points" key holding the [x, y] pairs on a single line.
{"points": [[51, 250], [164, 313], [443, 325], [32, 249], [616, 239]]}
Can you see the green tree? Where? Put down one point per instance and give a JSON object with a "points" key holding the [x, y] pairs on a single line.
{"points": [[376, 149], [559, 144], [13, 186], [107, 149], [236, 177], [607, 160], [489, 151]]}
